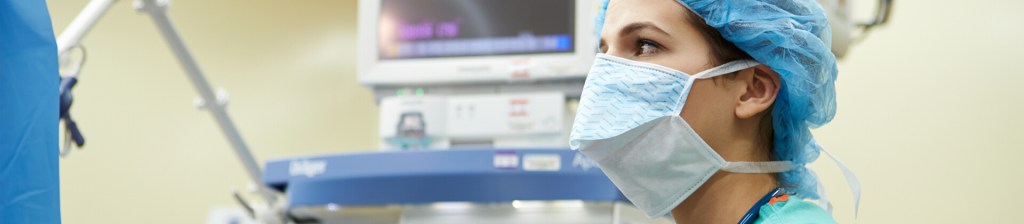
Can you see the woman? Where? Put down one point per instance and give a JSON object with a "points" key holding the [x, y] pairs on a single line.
{"points": [[702, 108]]}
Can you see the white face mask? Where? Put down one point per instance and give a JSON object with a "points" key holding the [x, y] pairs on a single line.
{"points": [[628, 122]]}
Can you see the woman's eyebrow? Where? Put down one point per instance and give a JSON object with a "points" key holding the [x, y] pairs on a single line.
{"points": [[635, 27]]}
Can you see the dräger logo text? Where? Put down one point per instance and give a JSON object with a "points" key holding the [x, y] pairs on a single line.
{"points": [[308, 168]]}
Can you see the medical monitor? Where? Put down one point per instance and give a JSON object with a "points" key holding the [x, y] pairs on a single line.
{"points": [[413, 43]]}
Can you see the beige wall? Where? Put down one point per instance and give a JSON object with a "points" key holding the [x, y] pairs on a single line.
{"points": [[930, 116], [929, 113]]}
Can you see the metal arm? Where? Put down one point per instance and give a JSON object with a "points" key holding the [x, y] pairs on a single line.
{"points": [[91, 14], [158, 12], [82, 24]]}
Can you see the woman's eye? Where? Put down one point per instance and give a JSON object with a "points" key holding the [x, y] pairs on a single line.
{"points": [[648, 47]]}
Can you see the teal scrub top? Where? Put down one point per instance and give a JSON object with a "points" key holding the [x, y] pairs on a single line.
{"points": [[793, 210]]}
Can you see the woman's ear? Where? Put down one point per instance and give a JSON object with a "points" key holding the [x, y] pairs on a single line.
{"points": [[761, 86]]}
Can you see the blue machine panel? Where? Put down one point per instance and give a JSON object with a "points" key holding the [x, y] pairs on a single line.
{"points": [[462, 175]]}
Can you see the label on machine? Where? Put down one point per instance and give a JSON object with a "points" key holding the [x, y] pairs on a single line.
{"points": [[506, 160], [542, 162]]}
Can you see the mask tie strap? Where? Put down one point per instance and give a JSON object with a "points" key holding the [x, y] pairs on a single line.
{"points": [[851, 179], [726, 68], [822, 194], [758, 167]]}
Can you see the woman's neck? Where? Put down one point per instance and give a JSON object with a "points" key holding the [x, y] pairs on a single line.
{"points": [[724, 198]]}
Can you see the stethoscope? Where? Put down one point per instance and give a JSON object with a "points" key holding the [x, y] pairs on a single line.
{"points": [[755, 212]]}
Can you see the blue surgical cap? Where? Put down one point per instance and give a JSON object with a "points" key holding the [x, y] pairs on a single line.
{"points": [[794, 39]]}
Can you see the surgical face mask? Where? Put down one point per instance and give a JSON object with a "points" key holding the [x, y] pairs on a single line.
{"points": [[629, 123]]}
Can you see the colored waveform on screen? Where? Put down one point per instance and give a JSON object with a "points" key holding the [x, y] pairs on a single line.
{"points": [[443, 39], [429, 30], [523, 43]]}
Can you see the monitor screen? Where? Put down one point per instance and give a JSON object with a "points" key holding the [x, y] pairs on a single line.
{"points": [[412, 29]]}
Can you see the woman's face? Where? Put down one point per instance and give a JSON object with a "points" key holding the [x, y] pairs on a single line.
{"points": [[658, 32]]}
